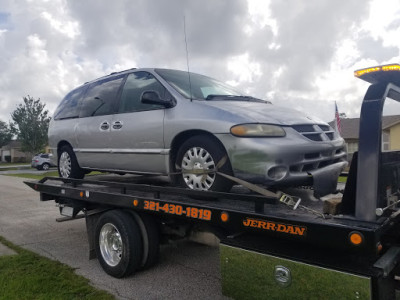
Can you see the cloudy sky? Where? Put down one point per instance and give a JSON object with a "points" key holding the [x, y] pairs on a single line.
{"points": [[298, 54]]}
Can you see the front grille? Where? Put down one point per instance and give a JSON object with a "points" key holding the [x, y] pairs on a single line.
{"points": [[317, 160], [316, 133]]}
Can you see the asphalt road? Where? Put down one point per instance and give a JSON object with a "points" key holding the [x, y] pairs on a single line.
{"points": [[186, 270]]}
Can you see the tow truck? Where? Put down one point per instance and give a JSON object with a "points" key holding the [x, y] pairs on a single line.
{"points": [[272, 245]]}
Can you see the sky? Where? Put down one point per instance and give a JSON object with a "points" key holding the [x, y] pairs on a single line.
{"points": [[297, 54]]}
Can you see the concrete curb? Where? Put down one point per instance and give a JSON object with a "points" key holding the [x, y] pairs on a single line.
{"points": [[4, 250]]}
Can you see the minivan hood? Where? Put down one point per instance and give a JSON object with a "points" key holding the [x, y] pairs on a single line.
{"points": [[264, 112]]}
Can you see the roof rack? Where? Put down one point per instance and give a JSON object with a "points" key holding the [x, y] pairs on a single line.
{"points": [[113, 73]]}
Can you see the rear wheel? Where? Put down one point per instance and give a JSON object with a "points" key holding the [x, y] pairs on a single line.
{"points": [[45, 166], [118, 243], [202, 154], [150, 237], [68, 166]]}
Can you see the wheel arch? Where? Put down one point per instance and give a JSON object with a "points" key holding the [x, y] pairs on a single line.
{"points": [[62, 144], [184, 136]]}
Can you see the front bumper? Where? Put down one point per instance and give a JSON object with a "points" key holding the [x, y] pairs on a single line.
{"points": [[286, 161]]}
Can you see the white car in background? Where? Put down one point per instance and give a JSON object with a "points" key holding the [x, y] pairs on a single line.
{"points": [[42, 161]]}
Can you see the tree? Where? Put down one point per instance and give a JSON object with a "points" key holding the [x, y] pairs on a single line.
{"points": [[31, 123], [5, 134]]}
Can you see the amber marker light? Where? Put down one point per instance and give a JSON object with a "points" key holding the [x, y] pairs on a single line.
{"points": [[135, 202], [379, 248], [81, 194], [224, 217], [238, 130], [356, 238]]}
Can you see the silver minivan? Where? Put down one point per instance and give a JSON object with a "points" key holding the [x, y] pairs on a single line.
{"points": [[169, 122]]}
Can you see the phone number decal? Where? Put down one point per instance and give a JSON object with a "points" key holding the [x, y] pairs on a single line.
{"points": [[179, 210]]}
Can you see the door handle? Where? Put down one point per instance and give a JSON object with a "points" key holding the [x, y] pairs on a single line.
{"points": [[117, 125], [105, 126]]}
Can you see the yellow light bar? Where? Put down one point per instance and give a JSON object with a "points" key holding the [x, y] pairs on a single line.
{"points": [[359, 73], [393, 67]]}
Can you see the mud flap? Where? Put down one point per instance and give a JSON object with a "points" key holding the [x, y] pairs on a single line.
{"points": [[325, 179]]}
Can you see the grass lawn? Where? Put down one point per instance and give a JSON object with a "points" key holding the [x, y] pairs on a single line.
{"points": [[30, 276], [5, 164]]}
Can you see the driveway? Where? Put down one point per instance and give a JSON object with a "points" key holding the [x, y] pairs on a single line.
{"points": [[186, 270]]}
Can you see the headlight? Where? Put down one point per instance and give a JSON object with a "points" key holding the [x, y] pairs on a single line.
{"points": [[258, 130]]}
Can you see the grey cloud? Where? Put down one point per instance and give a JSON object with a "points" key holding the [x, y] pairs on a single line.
{"points": [[155, 29], [308, 35], [374, 49]]}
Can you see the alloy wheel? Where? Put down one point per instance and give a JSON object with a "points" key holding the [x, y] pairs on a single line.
{"points": [[110, 243]]}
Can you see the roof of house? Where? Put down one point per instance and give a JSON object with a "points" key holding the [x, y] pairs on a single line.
{"points": [[351, 126], [12, 145]]}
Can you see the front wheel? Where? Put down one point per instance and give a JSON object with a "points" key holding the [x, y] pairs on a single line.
{"points": [[68, 166], [202, 154]]}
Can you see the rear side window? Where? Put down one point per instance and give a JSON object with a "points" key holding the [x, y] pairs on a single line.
{"points": [[135, 85], [69, 106], [100, 97]]}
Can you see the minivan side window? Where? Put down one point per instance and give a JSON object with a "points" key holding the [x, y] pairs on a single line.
{"points": [[135, 85], [100, 97], [69, 106]]}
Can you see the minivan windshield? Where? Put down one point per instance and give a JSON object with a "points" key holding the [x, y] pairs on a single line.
{"points": [[200, 87]]}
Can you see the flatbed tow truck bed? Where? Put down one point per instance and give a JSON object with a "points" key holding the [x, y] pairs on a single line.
{"points": [[271, 247]]}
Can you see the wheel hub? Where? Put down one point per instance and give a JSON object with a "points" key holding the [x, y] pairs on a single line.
{"points": [[110, 243], [65, 165], [195, 159]]}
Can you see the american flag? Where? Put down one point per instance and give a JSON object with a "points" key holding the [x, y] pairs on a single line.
{"points": [[337, 120]]}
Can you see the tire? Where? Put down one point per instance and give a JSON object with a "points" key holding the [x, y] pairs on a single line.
{"points": [[202, 152], [45, 166], [118, 243], [68, 166], [150, 238], [38, 168]]}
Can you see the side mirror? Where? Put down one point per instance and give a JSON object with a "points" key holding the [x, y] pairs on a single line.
{"points": [[152, 97]]}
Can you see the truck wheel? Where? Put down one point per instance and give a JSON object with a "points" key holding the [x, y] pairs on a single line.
{"points": [[150, 238], [118, 243], [202, 153], [68, 166], [45, 166]]}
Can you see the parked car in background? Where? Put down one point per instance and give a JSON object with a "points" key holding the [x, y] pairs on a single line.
{"points": [[42, 161], [160, 121]]}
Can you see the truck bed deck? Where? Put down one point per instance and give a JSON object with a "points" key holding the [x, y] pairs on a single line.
{"points": [[246, 212]]}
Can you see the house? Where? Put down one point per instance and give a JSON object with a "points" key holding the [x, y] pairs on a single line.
{"points": [[350, 128], [12, 153]]}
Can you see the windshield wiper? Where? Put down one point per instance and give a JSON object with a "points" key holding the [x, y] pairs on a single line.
{"points": [[212, 96], [236, 97]]}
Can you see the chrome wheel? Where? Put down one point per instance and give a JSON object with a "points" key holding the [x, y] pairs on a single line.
{"points": [[196, 159], [65, 165], [110, 243]]}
